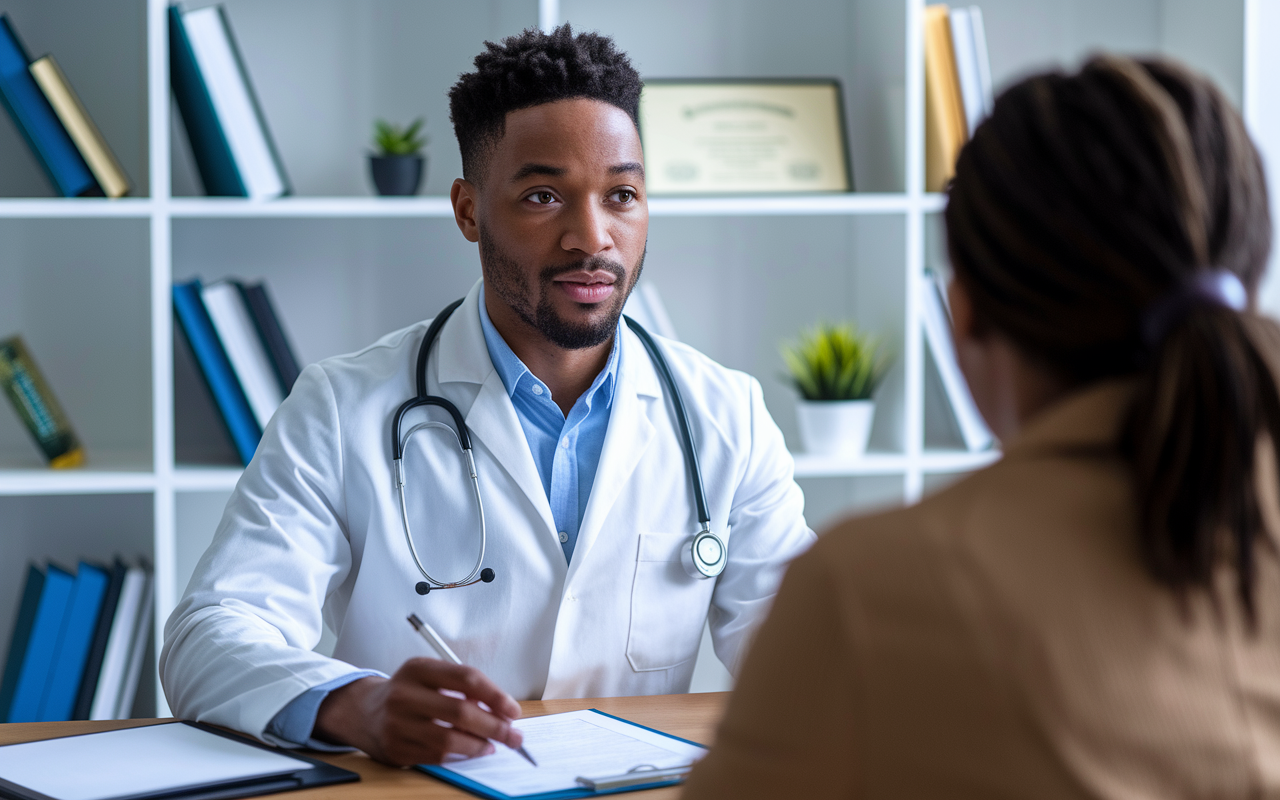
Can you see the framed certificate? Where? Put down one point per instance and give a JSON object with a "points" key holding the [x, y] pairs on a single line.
{"points": [[744, 136]]}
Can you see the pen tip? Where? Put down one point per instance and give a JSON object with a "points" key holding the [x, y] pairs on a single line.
{"points": [[525, 753]]}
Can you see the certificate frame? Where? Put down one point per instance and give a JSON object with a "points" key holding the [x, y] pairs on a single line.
{"points": [[770, 155]]}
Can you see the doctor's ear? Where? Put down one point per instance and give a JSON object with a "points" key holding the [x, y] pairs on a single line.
{"points": [[463, 197]]}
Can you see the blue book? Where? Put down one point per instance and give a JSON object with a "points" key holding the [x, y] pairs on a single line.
{"points": [[73, 646], [37, 662], [217, 371], [214, 162], [98, 647], [40, 126], [22, 627]]}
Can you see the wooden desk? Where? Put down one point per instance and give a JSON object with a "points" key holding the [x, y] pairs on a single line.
{"points": [[689, 716]]}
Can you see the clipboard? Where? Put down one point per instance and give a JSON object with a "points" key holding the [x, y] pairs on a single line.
{"points": [[24, 773], [626, 779]]}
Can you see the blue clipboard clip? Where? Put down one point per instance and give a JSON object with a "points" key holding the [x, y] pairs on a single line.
{"points": [[636, 776]]}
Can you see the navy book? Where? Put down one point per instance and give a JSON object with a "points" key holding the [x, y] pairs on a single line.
{"points": [[209, 146], [37, 662], [269, 328], [35, 118], [22, 627], [98, 647], [72, 651], [216, 369]]}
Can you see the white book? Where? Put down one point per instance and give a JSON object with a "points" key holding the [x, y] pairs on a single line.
{"points": [[982, 58], [937, 331], [115, 659], [220, 66], [137, 649], [645, 306], [966, 67], [244, 347]]}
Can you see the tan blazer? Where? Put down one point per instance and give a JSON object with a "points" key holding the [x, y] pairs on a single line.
{"points": [[1001, 639]]}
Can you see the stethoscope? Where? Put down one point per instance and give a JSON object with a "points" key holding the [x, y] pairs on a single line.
{"points": [[703, 556]]}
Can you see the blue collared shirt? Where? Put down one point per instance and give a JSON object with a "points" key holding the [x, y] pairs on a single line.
{"points": [[566, 451]]}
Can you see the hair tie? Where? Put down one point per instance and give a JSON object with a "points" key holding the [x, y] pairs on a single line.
{"points": [[1215, 287]]}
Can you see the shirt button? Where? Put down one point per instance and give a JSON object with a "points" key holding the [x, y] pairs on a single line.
{"points": [[564, 537], [564, 442], [537, 389]]}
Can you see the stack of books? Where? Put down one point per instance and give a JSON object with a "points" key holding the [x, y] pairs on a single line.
{"points": [[233, 149], [55, 124], [78, 643], [243, 353], [957, 86]]}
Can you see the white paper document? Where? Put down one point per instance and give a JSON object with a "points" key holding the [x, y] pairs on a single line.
{"points": [[134, 761], [578, 743]]}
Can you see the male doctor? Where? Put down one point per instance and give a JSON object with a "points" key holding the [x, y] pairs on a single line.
{"points": [[581, 466]]}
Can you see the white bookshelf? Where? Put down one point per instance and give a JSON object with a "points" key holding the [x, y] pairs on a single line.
{"points": [[345, 266]]}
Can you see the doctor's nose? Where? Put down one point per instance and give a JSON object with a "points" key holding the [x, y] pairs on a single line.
{"points": [[587, 230]]}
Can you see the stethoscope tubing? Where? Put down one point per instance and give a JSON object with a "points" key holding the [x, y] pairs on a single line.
{"points": [[464, 442]]}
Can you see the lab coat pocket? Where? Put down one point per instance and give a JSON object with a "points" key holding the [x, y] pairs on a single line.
{"points": [[668, 607]]}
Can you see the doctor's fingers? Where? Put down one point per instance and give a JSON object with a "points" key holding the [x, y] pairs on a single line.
{"points": [[464, 715], [418, 741], [460, 678]]}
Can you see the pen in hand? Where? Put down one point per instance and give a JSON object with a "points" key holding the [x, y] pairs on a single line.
{"points": [[427, 632]]}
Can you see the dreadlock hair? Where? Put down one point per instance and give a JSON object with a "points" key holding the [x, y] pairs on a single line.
{"points": [[530, 69], [1080, 207]]}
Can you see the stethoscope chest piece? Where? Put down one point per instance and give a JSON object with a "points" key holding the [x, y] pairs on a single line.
{"points": [[704, 555]]}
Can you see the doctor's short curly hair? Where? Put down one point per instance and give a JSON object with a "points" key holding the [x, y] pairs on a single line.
{"points": [[530, 69]]}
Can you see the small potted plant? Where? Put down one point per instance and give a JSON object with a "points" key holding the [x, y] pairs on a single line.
{"points": [[836, 369], [397, 164]]}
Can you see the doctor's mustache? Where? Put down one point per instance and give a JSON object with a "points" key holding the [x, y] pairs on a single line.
{"points": [[589, 264]]}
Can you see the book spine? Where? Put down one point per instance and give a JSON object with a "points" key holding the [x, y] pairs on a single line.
{"points": [[138, 647], [945, 126], [37, 663], [86, 136], [21, 637], [35, 403], [282, 176], [36, 119], [216, 369], [73, 649], [106, 697], [217, 167], [98, 647], [272, 332]]}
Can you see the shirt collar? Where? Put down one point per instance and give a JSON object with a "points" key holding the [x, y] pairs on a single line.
{"points": [[513, 371]]}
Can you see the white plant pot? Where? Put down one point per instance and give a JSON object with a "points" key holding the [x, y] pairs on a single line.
{"points": [[835, 427]]}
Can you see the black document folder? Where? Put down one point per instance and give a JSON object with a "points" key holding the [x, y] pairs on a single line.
{"points": [[169, 761]]}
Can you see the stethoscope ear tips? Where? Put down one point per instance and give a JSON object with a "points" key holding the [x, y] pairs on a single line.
{"points": [[422, 588], [487, 575]]}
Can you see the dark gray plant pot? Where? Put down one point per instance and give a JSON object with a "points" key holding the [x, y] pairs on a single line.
{"points": [[397, 176]]}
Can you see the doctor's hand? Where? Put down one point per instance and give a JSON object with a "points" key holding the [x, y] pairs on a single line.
{"points": [[406, 719]]}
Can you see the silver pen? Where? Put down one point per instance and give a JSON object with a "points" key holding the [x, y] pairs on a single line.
{"points": [[429, 633]]}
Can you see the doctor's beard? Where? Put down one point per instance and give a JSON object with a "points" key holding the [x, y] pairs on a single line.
{"points": [[504, 277]]}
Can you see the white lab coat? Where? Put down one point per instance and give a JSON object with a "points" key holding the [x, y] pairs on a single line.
{"points": [[313, 535]]}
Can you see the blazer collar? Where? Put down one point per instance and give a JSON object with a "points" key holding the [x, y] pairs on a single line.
{"points": [[1087, 419]]}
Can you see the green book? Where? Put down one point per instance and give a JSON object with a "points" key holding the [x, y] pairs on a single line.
{"points": [[27, 389]]}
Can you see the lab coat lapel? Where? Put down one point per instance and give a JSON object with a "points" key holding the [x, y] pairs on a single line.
{"points": [[626, 440], [463, 356]]}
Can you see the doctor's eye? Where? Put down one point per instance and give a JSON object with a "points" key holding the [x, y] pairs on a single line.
{"points": [[542, 198], [623, 196]]}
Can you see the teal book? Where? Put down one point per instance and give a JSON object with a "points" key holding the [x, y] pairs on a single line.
{"points": [[21, 637], [72, 652], [37, 662]]}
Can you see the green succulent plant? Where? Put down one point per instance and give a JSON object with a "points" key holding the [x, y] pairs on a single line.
{"points": [[835, 362], [394, 140]]}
